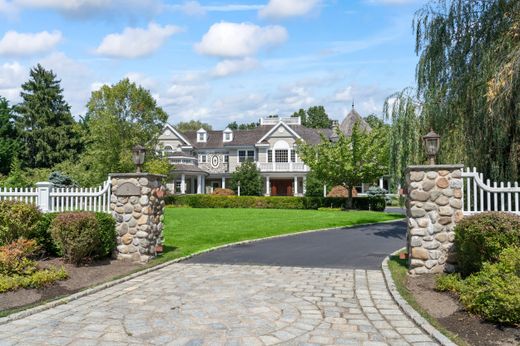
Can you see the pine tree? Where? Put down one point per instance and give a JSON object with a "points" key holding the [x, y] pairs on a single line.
{"points": [[9, 140], [49, 132]]}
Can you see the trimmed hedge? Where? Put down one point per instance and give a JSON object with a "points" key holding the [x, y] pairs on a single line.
{"points": [[481, 238], [18, 220], [271, 202]]}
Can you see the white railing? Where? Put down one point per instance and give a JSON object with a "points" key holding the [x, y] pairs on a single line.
{"points": [[282, 167], [51, 199], [27, 195], [480, 196]]}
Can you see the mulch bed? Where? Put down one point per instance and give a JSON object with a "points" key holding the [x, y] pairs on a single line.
{"points": [[446, 308], [79, 278]]}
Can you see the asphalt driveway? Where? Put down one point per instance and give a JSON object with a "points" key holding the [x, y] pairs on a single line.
{"points": [[360, 247]]}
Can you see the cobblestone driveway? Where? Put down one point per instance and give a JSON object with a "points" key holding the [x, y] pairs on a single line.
{"points": [[206, 304]]}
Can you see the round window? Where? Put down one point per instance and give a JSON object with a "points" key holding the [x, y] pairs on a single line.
{"points": [[214, 161]]}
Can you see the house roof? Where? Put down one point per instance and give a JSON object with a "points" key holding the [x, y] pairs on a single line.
{"points": [[350, 120]]}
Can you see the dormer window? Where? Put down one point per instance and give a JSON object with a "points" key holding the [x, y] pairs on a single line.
{"points": [[202, 136], [228, 135]]}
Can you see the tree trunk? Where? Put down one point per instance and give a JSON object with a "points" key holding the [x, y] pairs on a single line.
{"points": [[349, 200]]}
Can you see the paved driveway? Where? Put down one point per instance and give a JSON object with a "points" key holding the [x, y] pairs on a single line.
{"points": [[362, 247], [224, 304]]}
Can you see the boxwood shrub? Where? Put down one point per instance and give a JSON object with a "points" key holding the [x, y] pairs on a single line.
{"points": [[267, 202], [18, 220], [480, 238]]}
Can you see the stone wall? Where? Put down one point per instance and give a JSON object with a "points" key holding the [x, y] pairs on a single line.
{"points": [[433, 207], [137, 203]]}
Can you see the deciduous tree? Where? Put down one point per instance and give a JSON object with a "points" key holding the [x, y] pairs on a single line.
{"points": [[192, 125], [248, 175]]}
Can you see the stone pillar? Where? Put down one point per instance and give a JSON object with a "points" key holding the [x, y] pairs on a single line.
{"points": [[433, 207], [137, 202], [183, 184]]}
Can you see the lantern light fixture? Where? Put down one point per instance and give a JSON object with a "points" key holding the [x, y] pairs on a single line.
{"points": [[431, 145], [138, 157]]}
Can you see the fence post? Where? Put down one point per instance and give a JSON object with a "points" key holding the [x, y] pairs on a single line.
{"points": [[43, 189]]}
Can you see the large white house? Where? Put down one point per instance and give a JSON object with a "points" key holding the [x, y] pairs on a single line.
{"points": [[204, 160]]}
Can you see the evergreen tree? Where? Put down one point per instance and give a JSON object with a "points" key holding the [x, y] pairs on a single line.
{"points": [[9, 140], [49, 131], [248, 175]]}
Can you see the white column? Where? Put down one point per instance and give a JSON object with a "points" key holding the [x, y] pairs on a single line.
{"points": [[183, 184], [295, 186], [238, 192], [267, 186], [304, 185], [199, 184], [223, 182], [381, 182], [324, 190], [44, 195]]}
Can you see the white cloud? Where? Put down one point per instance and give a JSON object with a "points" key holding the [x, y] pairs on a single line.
{"points": [[233, 40], [195, 8], [12, 75], [8, 9], [92, 8], [344, 95], [136, 42], [277, 9], [15, 43], [141, 79], [234, 66]]}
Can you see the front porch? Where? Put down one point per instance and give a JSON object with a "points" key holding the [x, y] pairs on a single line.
{"points": [[284, 185]]}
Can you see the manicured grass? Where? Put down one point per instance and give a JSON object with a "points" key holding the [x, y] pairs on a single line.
{"points": [[398, 267], [191, 230]]}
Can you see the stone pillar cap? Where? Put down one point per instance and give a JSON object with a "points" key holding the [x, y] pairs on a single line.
{"points": [[434, 167], [136, 175]]}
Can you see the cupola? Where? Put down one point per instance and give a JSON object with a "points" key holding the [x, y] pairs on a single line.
{"points": [[227, 135], [202, 136]]}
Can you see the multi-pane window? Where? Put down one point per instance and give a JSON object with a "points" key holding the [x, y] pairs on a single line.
{"points": [[293, 156], [203, 159], [246, 155], [226, 158], [227, 136], [269, 155], [281, 155]]}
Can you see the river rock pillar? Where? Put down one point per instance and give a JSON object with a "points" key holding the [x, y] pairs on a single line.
{"points": [[433, 207], [137, 204]]}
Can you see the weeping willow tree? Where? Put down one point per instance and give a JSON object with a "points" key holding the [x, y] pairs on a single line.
{"points": [[468, 81]]}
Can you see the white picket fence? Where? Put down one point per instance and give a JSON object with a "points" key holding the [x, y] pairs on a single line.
{"points": [[480, 196], [51, 199]]}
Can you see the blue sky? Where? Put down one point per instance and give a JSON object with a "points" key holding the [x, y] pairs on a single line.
{"points": [[216, 60]]}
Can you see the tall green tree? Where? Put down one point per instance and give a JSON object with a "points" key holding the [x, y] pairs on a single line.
{"points": [[49, 132], [249, 178], [349, 161], [118, 118], [315, 117], [192, 125], [247, 126], [468, 77], [9, 137]]}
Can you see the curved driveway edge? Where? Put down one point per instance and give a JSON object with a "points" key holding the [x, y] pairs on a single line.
{"points": [[408, 310]]}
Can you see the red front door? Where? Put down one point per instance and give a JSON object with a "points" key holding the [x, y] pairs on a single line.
{"points": [[281, 188]]}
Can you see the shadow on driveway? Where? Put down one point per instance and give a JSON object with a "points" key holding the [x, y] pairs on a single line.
{"points": [[360, 247]]}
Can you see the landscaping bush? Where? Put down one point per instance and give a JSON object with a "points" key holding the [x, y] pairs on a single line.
{"points": [[42, 235], [480, 238], [18, 220], [107, 234], [272, 202], [223, 192], [76, 235], [37, 279], [376, 197], [494, 292]]}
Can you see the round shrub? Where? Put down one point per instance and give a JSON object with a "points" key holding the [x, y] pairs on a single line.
{"points": [[494, 292], [42, 234], [107, 234], [76, 235], [18, 220], [480, 238]]}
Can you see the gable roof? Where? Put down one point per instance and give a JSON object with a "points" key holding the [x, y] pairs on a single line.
{"points": [[177, 133], [280, 123]]}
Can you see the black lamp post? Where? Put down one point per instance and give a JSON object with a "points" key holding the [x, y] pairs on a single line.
{"points": [[432, 143], [138, 156]]}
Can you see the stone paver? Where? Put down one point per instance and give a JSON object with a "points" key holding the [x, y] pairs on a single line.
{"points": [[207, 304]]}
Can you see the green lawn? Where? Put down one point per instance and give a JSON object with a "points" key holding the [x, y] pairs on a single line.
{"points": [[191, 230]]}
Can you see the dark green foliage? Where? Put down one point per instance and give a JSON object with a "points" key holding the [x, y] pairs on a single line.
{"points": [[315, 117], [76, 235], [17, 176], [50, 134], [480, 238], [192, 125], [376, 196], [273, 202], [248, 175], [61, 180], [9, 137], [107, 234], [42, 234], [249, 126], [313, 185], [18, 220], [494, 292]]}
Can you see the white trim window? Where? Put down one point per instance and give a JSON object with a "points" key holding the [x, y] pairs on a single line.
{"points": [[226, 158], [293, 155], [270, 155], [203, 158], [246, 155], [202, 136]]}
